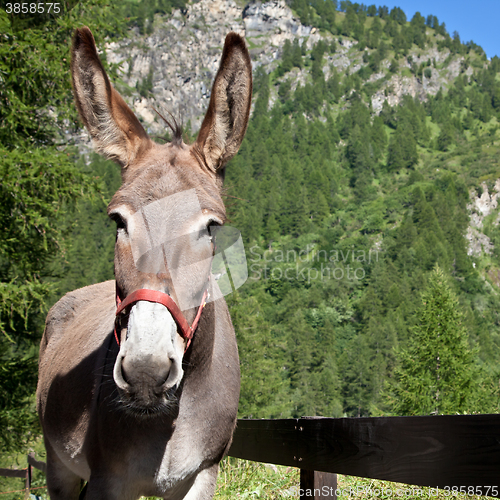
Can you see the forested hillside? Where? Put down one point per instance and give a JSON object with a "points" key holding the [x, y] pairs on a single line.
{"points": [[346, 212], [365, 190]]}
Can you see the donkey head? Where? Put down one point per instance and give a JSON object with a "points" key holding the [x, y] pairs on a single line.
{"points": [[169, 199]]}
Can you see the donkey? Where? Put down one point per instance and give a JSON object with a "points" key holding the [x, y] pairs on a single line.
{"points": [[131, 398]]}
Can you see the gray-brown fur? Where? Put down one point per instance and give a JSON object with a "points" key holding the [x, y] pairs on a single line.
{"points": [[136, 435]]}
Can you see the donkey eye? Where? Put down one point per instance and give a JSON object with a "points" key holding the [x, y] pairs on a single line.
{"points": [[120, 221], [208, 231], [214, 224], [213, 228]]}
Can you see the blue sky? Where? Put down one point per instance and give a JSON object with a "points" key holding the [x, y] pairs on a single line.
{"points": [[477, 21]]}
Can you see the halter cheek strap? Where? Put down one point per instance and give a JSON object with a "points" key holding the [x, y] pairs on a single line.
{"points": [[162, 298]]}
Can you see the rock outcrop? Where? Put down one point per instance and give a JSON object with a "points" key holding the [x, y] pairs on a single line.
{"points": [[479, 209], [272, 18]]}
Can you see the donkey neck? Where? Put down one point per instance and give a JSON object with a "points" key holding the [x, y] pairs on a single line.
{"points": [[198, 358]]}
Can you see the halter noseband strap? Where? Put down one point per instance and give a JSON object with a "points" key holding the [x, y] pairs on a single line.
{"points": [[162, 298]]}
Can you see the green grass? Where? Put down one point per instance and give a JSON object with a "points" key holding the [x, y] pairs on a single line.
{"points": [[244, 479]]}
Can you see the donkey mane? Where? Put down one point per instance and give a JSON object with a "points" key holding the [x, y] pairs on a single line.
{"points": [[176, 127]]}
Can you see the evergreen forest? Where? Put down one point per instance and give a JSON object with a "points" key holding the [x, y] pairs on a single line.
{"points": [[363, 296]]}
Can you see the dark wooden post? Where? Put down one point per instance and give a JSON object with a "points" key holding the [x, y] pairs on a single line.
{"points": [[28, 483], [315, 485]]}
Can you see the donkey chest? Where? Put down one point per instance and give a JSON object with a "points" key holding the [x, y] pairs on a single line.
{"points": [[160, 456], [159, 465]]}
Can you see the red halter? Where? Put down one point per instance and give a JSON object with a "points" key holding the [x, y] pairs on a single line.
{"points": [[162, 298]]}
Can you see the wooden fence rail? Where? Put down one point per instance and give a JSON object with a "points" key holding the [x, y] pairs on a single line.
{"points": [[438, 451]]}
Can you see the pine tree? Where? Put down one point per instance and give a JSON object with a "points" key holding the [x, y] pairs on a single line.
{"points": [[262, 87], [436, 372], [378, 137], [296, 54], [272, 227], [319, 208], [395, 160], [286, 59], [356, 371], [39, 186], [445, 137], [375, 33]]}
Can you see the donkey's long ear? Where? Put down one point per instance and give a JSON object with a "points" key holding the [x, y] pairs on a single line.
{"points": [[226, 120], [115, 131]]}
